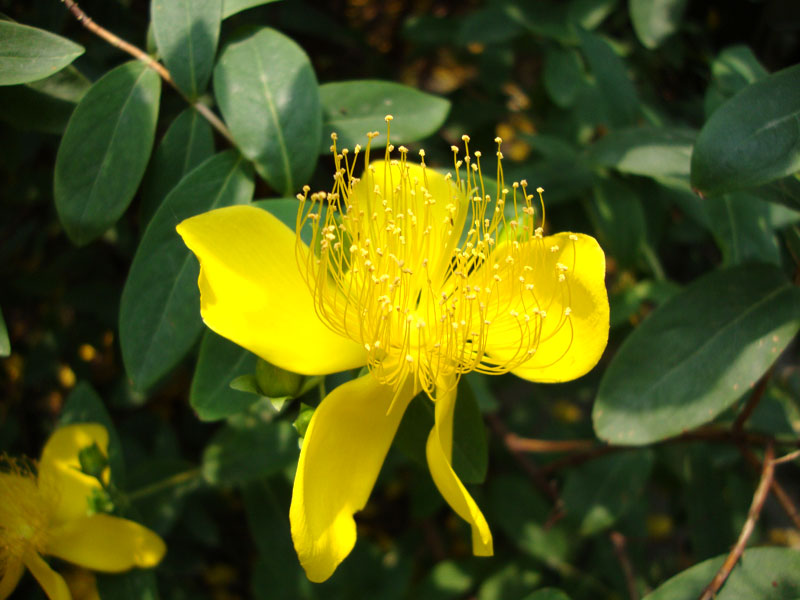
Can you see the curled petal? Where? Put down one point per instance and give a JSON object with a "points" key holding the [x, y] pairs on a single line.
{"points": [[252, 292], [439, 451], [106, 543], [343, 450], [52, 583], [60, 470]]}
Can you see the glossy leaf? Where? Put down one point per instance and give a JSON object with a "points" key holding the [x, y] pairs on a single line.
{"points": [[84, 405], [740, 224], [231, 7], [5, 344], [29, 54], [219, 363], [105, 149], [621, 100], [563, 75], [663, 154], [354, 108], [268, 94], [695, 355], [160, 307], [248, 449], [188, 142], [753, 138], [186, 34], [733, 69], [655, 20], [763, 573], [601, 491]]}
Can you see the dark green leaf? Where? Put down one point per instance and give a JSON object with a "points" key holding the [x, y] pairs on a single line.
{"points": [[186, 34], [655, 20], [763, 573], [445, 581], [231, 7], [590, 13], [563, 75], [133, 585], [735, 68], [5, 344], [160, 307], [268, 94], [609, 70], [188, 142], [753, 138], [619, 220], [45, 105], [248, 449], [547, 19], [105, 149], [704, 348], [511, 581], [599, 492], [354, 108], [740, 224], [158, 489], [663, 154], [219, 363], [547, 594], [626, 304], [83, 405], [28, 54], [490, 25]]}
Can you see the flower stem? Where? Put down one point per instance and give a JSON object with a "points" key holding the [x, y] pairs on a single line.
{"points": [[172, 481]]}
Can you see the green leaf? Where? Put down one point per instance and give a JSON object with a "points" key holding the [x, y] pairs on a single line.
{"points": [[626, 303], [753, 138], [188, 142], [45, 105], [186, 34], [268, 94], [601, 491], [590, 13], [5, 344], [134, 585], [159, 487], [655, 20], [546, 19], [763, 573], [470, 449], [733, 69], [703, 349], [354, 108], [249, 449], [610, 72], [220, 362], [29, 54], [445, 581], [563, 75], [160, 308], [489, 25], [740, 224], [83, 405], [231, 7], [511, 581], [547, 594], [663, 154], [619, 220], [104, 151]]}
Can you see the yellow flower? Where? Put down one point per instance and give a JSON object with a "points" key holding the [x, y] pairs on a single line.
{"points": [[420, 276], [48, 513]]}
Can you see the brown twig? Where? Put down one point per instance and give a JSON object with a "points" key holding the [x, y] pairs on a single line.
{"points": [[760, 496], [781, 495], [619, 543], [533, 471], [140, 54], [752, 402], [788, 457]]}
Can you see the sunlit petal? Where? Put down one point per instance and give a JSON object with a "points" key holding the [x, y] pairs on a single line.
{"points": [[52, 583], [343, 450], [106, 543], [60, 470], [253, 293], [570, 339], [439, 451]]}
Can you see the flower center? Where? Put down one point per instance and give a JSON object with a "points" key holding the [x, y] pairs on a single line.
{"points": [[420, 267]]}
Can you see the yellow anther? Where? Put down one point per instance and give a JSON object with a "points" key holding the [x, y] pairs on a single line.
{"points": [[388, 118]]}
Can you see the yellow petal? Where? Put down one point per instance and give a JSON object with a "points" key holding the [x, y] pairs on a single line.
{"points": [[253, 293], [106, 543], [343, 450], [60, 470], [12, 572], [446, 224], [574, 332], [52, 583], [439, 450]]}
